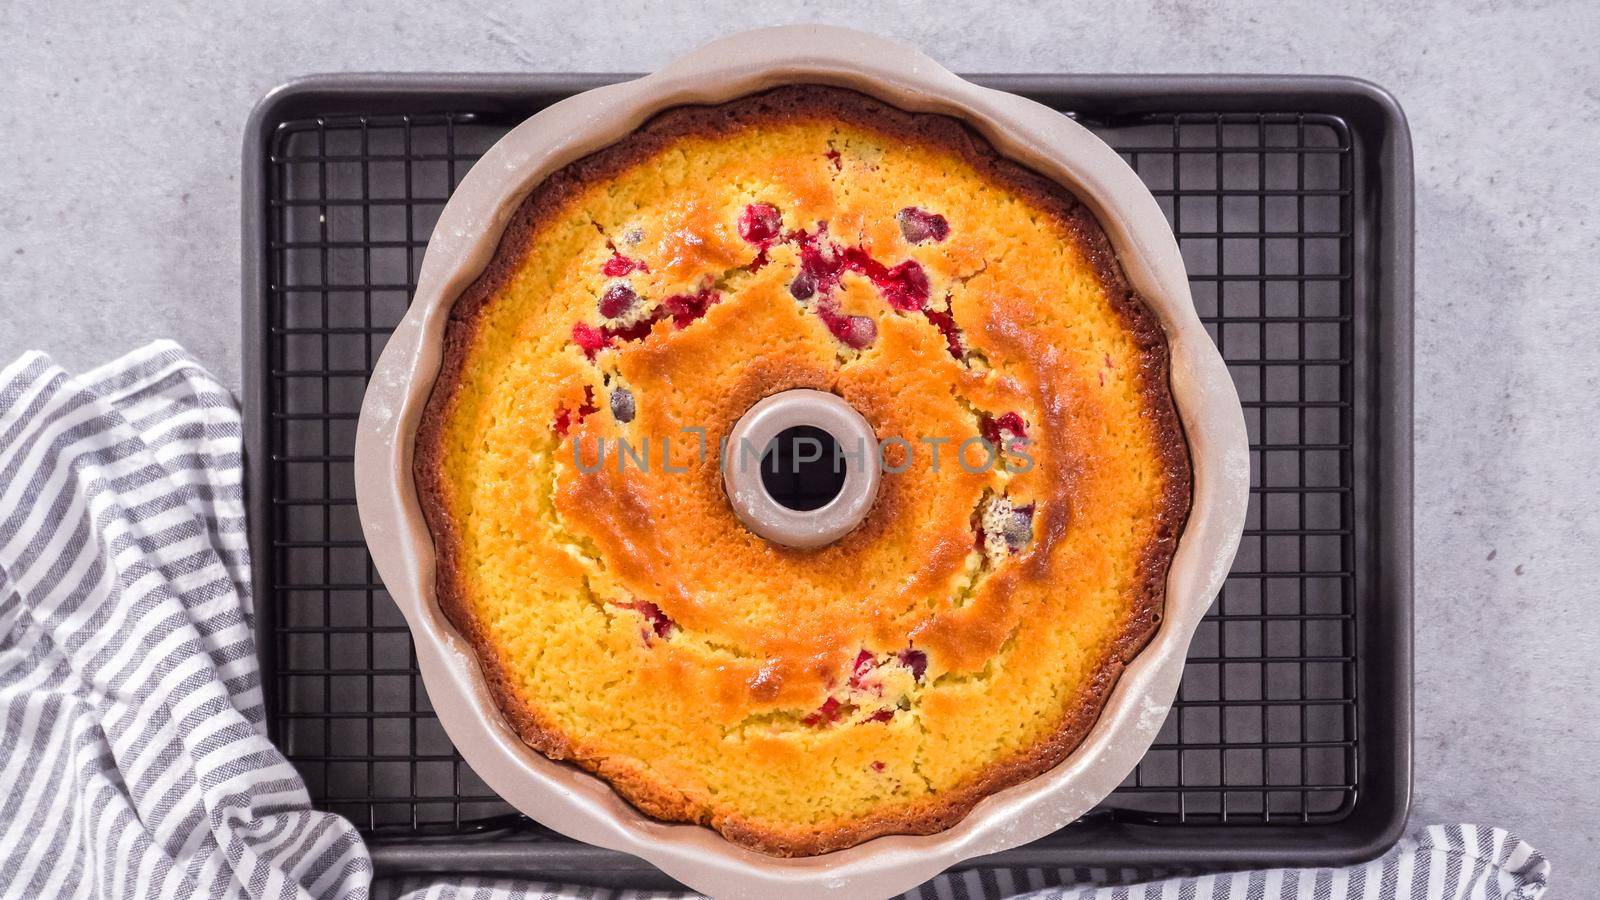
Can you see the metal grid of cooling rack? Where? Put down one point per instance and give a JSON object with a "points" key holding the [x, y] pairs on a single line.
{"points": [[1267, 727]]}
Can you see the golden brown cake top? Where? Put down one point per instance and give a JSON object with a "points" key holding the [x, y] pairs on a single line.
{"points": [[964, 637]]}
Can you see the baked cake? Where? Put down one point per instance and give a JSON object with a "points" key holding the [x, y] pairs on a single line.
{"points": [[965, 636]]}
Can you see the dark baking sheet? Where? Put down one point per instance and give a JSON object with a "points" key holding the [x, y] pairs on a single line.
{"points": [[1292, 200]]}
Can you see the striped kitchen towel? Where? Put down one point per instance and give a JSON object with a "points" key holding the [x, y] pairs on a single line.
{"points": [[134, 760]]}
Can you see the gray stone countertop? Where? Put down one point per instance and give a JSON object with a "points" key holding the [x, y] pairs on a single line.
{"points": [[120, 134]]}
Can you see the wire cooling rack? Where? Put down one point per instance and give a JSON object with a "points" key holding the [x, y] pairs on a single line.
{"points": [[1290, 199]]}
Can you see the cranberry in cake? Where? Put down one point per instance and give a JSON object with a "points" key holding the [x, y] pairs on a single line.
{"points": [[964, 637]]}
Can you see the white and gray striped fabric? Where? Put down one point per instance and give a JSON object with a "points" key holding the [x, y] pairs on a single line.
{"points": [[134, 760]]}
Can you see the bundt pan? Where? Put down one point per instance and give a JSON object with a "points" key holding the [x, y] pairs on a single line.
{"points": [[585, 808]]}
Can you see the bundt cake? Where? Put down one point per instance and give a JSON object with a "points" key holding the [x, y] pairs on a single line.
{"points": [[964, 637]]}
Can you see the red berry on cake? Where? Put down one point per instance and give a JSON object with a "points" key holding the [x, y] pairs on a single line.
{"points": [[619, 265], [617, 301], [946, 324], [760, 223], [659, 623], [918, 225], [803, 287], [826, 714], [566, 418], [685, 308], [588, 338], [915, 660], [905, 286], [1003, 429], [855, 332], [864, 665], [860, 332]]}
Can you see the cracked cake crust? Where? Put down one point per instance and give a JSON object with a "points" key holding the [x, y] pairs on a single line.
{"points": [[942, 808]]}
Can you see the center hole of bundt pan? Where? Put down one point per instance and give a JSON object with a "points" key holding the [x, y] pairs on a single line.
{"points": [[801, 468], [804, 469]]}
